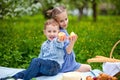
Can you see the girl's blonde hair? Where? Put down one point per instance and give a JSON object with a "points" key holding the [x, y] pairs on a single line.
{"points": [[51, 22], [55, 11]]}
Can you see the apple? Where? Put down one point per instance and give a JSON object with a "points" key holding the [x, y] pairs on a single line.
{"points": [[72, 34], [61, 36]]}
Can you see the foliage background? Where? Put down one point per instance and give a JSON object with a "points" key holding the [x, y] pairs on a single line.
{"points": [[21, 30], [21, 38]]}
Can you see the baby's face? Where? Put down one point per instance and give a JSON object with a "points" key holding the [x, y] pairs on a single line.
{"points": [[51, 32]]}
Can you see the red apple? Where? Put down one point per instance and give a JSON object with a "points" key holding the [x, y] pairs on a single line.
{"points": [[61, 36]]}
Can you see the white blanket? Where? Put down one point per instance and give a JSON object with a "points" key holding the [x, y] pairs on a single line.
{"points": [[5, 71]]}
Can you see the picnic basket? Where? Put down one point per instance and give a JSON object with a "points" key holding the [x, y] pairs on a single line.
{"points": [[105, 59]]}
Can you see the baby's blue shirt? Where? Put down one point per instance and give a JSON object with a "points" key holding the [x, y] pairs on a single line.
{"points": [[70, 63], [52, 50]]}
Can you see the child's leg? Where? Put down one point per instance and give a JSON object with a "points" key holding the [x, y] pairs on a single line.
{"points": [[49, 67], [31, 72], [41, 67], [38, 67], [33, 69], [84, 68], [19, 75]]}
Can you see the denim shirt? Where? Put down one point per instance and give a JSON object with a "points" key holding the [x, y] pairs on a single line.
{"points": [[52, 50], [70, 63]]}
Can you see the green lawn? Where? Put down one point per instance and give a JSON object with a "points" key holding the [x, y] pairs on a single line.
{"points": [[96, 38], [21, 38]]}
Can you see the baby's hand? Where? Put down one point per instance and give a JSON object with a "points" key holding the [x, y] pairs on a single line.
{"points": [[73, 37], [61, 36]]}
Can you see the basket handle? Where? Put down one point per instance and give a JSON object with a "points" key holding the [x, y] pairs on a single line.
{"points": [[114, 48]]}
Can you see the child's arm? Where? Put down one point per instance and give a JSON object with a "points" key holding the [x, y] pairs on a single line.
{"points": [[41, 51], [59, 41], [72, 38]]}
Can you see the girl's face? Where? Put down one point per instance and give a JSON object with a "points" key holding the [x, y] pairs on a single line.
{"points": [[51, 32], [62, 19]]}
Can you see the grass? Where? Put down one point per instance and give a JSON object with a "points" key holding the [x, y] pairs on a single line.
{"points": [[96, 38], [21, 38]]}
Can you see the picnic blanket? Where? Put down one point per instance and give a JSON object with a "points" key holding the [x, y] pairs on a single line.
{"points": [[5, 71]]}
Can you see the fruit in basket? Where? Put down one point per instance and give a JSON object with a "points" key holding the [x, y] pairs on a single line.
{"points": [[102, 76], [89, 78]]}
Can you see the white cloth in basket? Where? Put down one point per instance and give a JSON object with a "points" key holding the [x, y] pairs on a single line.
{"points": [[111, 68]]}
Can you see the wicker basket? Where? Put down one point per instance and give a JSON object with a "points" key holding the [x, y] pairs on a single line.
{"points": [[105, 59]]}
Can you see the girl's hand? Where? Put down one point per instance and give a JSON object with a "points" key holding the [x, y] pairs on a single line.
{"points": [[61, 36], [73, 37]]}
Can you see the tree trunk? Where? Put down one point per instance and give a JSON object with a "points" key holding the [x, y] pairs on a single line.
{"points": [[94, 10], [80, 13]]}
